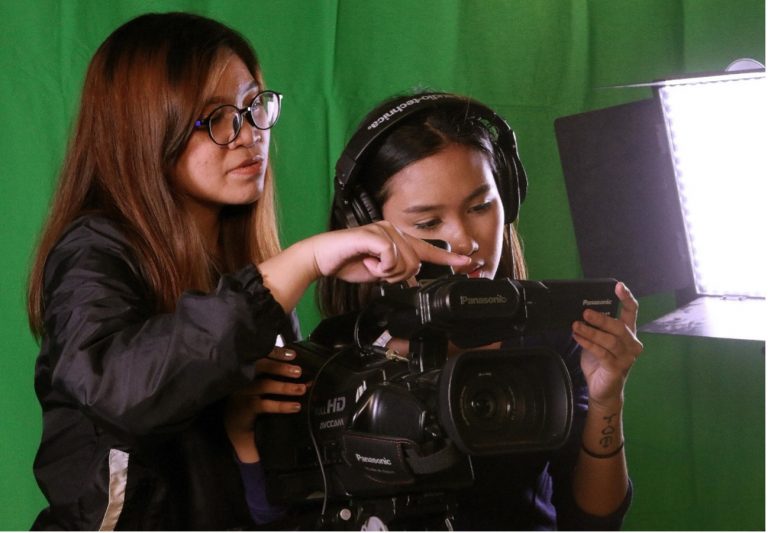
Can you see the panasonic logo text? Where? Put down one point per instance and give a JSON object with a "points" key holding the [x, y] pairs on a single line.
{"points": [[469, 300], [596, 302], [373, 460]]}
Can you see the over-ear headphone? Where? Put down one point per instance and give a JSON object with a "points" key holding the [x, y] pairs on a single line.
{"points": [[353, 206]]}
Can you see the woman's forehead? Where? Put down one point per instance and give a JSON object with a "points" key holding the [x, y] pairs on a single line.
{"points": [[457, 172], [230, 79]]}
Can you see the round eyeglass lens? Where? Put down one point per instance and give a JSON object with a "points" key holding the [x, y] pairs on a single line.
{"points": [[265, 109], [224, 124]]}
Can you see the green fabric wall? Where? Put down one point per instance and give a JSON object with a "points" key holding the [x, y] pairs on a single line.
{"points": [[694, 408]]}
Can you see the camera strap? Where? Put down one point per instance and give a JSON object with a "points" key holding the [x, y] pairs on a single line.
{"points": [[393, 459], [441, 460], [382, 457]]}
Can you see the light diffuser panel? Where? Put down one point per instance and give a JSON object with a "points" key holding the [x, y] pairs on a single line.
{"points": [[717, 135]]}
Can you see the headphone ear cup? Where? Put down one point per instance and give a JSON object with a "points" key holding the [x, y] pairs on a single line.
{"points": [[343, 214], [358, 210], [507, 182], [522, 180], [366, 210], [513, 182]]}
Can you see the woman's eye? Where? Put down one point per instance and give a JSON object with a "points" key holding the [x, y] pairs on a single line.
{"points": [[479, 208], [427, 224], [216, 117]]}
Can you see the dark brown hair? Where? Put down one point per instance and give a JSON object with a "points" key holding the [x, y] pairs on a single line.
{"points": [[143, 90], [424, 134]]}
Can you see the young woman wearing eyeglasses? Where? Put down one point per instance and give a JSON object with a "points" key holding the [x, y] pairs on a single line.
{"points": [[159, 289]]}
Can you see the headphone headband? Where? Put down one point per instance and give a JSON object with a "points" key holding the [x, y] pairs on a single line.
{"points": [[368, 134], [353, 206]]}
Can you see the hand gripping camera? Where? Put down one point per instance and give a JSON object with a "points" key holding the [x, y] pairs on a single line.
{"points": [[376, 424]]}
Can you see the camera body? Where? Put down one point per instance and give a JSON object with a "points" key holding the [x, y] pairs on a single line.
{"points": [[376, 424]]}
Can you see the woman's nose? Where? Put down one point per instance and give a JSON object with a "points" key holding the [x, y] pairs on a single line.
{"points": [[463, 242], [247, 136]]}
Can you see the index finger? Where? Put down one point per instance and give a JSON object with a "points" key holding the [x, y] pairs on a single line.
{"points": [[432, 254]]}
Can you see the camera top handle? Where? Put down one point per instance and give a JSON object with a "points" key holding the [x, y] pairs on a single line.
{"points": [[473, 312]]}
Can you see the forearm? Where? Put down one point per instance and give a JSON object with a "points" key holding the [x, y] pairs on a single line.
{"points": [[244, 443], [289, 274], [600, 483]]}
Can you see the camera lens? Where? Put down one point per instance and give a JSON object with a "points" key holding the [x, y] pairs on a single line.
{"points": [[499, 401], [487, 404], [483, 405]]}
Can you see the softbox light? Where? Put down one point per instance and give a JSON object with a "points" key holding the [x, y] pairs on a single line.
{"points": [[667, 194]]}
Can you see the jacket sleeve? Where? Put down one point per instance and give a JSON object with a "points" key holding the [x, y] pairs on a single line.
{"points": [[138, 371]]}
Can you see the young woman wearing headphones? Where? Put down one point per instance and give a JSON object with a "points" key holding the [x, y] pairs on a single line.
{"points": [[442, 166]]}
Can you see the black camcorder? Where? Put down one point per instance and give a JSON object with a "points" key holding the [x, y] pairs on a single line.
{"points": [[377, 424]]}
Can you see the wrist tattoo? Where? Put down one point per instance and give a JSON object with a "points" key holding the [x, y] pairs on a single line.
{"points": [[607, 440], [608, 432]]}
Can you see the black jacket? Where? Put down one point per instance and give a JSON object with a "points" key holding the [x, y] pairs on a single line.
{"points": [[132, 400]]}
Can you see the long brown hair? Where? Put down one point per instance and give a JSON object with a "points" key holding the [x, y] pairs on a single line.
{"points": [[143, 90], [421, 135]]}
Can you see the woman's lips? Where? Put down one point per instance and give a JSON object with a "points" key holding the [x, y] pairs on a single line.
{"points": [[250, 166], [475, 272]]}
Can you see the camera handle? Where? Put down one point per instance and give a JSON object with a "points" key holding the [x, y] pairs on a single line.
{"points": [[428, 351], [425, 512]]}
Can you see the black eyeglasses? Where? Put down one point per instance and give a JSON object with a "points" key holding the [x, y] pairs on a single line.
{"points": [[225, 122]]}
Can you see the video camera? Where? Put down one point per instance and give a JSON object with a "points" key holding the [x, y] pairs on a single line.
{"points": [[377, 424]]}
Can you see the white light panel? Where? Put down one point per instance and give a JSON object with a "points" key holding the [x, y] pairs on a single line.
{"points": [[717, 134]]}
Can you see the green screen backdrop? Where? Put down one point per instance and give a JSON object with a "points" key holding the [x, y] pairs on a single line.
{"points": [[694, 407]]}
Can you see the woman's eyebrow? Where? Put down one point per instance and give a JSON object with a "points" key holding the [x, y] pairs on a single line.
{"points": [[214, 100], [480, 191], [423, 208], [248, 88], [218, 99]]}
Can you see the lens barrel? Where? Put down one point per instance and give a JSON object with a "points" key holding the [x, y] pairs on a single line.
{"points": [[504, 401]]}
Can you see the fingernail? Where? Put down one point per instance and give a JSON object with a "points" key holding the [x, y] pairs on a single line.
{"points": [[300, 389], [289, 354], [624, 288], [295, 370], [296, 407]]}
